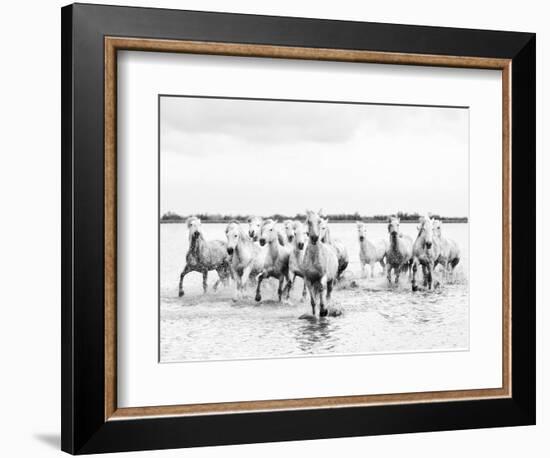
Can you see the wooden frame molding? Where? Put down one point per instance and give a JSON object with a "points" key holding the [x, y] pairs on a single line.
{"points": [[112, 45]]}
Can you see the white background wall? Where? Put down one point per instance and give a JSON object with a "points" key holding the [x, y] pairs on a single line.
{"points": [[30, 226]]}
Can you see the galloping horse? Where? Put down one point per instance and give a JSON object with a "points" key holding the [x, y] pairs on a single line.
{"points": [[426, 250], [276, 260], [247, 258], [399, 253], [320, 265], [449, 255], [288, 226], [204, 256], [370, 252], [341, 251], [254, 227], [297, 235]]}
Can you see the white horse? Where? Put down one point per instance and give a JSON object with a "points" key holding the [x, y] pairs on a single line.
{"points": [[296, 234], [341, 250], [203, 256], [370, 252], [426, 250], [288, 227], [399, 252], [254, 227], [320, 265], [247, 258], [449, 255], [276, 260]]}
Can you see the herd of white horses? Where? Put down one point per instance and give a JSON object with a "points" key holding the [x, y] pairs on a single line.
{"points": [[262, 249]]}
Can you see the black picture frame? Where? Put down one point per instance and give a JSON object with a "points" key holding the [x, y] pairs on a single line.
{"points": [[84, 428]]}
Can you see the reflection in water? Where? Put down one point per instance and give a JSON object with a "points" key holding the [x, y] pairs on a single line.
{"points": [[317, 335], [375, 318]]}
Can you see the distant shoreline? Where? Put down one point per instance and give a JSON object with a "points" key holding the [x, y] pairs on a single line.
{"points": [[335, 221]]}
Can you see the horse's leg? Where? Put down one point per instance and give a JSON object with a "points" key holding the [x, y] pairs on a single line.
{"points": [[413, 280], [397, 274], [218, 281], [238, 280], [260, 278], [280, 288], [304, 290], [363, 269], [430, 270], [424, 275], [383, 265], [223, 274], [293, 283], [221, 278], [311, 290], [245, 278], [185, 271], [323, 311], [204, 281], [372, 269], [330, 284], [388, 273], [289, 283]]}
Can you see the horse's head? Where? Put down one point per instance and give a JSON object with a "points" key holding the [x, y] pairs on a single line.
{"points": [[269, 232], [288, 226], [194, 226], [254, 227], [232, 232], [324, 232], [361, 230], [300, 234], [393, 226], [425, 228], [313, 223], [437, 227]]}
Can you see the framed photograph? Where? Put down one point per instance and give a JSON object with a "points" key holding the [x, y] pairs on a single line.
{"points": [[281, 228]]}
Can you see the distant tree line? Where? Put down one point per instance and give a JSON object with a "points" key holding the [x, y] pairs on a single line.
{"points": [[171, 217]]}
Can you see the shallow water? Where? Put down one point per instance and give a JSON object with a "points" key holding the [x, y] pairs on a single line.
{"points": [[374, 316]]}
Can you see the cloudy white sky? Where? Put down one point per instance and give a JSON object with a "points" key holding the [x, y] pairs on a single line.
{"points": [[262, 157]]}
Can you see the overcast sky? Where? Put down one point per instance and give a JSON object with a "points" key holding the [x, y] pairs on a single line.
{"points": [[263, 157]]}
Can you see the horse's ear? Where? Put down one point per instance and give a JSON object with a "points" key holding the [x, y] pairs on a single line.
{"points": [[198, 220]]}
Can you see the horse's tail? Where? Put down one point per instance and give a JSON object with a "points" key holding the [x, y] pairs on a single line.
{"points": [[342, 265], [455, 261]]}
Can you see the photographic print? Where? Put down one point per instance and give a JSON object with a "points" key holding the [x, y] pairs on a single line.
{"points": [[293, 228]]}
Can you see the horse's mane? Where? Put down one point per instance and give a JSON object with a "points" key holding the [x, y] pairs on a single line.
{"points": [[265, 222], [234, 222]]}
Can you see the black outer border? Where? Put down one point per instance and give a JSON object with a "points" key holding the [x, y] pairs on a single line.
{"points": [[84, 429]]}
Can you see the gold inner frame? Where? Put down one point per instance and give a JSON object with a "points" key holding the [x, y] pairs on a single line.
{"points": [[114, 44]]}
